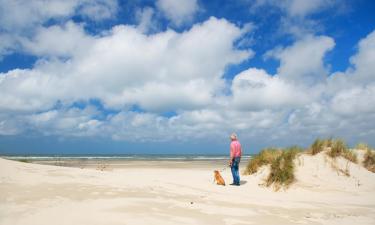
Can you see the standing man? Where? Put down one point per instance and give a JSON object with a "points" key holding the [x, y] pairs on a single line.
{"points": [[235, 158]]}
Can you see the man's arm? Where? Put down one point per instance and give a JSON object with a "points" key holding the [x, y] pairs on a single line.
{"points": [[231, 154]]}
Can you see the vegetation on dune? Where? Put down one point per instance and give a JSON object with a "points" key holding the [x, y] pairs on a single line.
{"points": [[317, 146], [339, 148], [369, 160], [320, 145], [282, 168], [362, 146], [266, 156], [23, 160]]}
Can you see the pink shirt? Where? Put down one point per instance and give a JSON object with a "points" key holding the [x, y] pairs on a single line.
{"points": [[235, 149]]}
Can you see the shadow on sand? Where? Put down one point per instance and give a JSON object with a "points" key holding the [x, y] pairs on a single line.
{"points": [[242, 182]]}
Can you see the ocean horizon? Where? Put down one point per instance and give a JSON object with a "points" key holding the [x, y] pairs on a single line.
{"points": [[151, 157]]}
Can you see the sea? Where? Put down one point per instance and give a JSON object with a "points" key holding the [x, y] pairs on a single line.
{"points": [[112, 161], [130, 157]]}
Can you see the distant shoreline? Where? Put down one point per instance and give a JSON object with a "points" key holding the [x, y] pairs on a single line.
{"points": [[131, 157]]}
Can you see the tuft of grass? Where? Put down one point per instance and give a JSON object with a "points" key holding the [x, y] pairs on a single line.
{"points": [[23, 160], [369, 160], [265, 156], [328, 142], [362, 146], [317, 146], [350, 155], [339, 148], [282, 168]]}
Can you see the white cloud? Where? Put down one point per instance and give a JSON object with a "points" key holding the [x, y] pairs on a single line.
{"points": [[179, 12], [145, 19], [58, 41], [364, 60], [298, 8], [159, 72], [356, 100], [20, 20], [182, 73], [254, 89], [18, 14], [303, 61], [305, 8], [296, 16]]}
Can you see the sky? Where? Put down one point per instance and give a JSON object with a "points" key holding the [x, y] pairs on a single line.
{"points": [[179, 76]]}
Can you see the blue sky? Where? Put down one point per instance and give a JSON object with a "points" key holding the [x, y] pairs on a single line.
{"points": [[171, 76]]}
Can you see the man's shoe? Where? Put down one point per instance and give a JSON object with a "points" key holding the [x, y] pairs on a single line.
{"points": [[234, 184]]}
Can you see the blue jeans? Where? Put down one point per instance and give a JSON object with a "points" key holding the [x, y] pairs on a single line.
{"points": [[234, 169]]}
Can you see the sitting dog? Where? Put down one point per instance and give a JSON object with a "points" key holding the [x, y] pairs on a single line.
{"points": [[218, 178]]}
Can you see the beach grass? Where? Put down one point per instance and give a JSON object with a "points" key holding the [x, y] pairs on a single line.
{"points": [[282, 168], [339, 148], [317, 146], [362, 146], [265, 156], [369, 160], [23, 160]]}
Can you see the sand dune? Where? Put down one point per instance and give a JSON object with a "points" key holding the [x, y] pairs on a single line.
{"points": [[42, 194]]}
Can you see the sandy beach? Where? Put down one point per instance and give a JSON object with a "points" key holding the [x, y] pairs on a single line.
{"points": [[182, 193]]}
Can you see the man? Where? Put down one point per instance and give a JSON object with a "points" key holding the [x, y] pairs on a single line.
{"points": [[235, 158]]}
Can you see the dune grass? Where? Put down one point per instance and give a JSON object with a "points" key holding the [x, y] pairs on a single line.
{"points": [[339, 148], [369, 160], [282, 168], [320, 145], [362, 146], [317, 146], [266, 156], [282, 165], [23, 160]]}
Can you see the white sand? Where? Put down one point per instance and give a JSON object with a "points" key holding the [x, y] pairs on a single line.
{"points": [[40, 194]]}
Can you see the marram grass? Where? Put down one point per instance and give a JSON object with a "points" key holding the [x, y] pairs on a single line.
{"points": [[369, 160], [266, 156], [282, 165], [282, 168]]}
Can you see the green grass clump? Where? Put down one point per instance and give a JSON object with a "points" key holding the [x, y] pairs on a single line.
{"points": [[339, 148], [369, 160], [23, 160], [362, 146], [266, 156], [317, 146], [350, 155], [328, 142], [282, 169]]}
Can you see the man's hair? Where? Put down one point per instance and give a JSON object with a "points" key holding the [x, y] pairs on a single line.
{"points": [[233, 136]]}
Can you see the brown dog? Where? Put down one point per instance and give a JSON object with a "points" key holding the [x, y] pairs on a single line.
{"points": [[218, 178]]}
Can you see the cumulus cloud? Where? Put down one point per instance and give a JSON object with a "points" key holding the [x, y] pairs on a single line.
{"points": [[20, 20], [364, 60], [296, 16], [66, 41], [179, 12], [254, 89], [303, 61], [18, 14], [159, 72], [296, 7], [138, 75], [145, 19]]}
